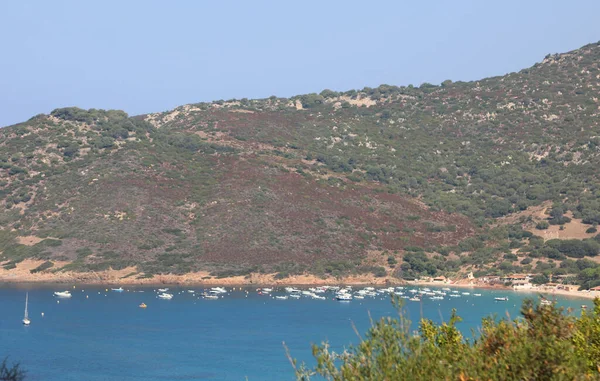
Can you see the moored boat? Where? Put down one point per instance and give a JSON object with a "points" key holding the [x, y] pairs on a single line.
{"points": [[26, 320], [63, 294], [166, 296], [546, 302], [501, 298], [343, 297]]}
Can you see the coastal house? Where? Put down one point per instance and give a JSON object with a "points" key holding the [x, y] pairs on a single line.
{"points": [[440, 279], [597, 288], [565, 279], [516, 278], [490, 279], [521, 285], [568, 287], [549, 286]]}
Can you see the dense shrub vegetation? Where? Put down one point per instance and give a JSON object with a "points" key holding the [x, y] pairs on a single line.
{"points": [[543, 344], [320, 180]]}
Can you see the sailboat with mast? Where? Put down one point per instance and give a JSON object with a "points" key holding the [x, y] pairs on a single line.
{"points": [[26, 320]]}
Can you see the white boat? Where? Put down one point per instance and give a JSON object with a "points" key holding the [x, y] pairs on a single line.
{"points": [[466, 293], [319, 297], [26, 320], [63, 294], [476, 294], [166, 296], [295, 296], [501, 298], [163, 289], [437, 298], [445, 289], [291, 290], [218, 290], [415, 299], [267, 290], [343, 297], [454, 296], [546, 302], [208, 296], [281, 297], [191, 291], [120, 289], [359, 296]]}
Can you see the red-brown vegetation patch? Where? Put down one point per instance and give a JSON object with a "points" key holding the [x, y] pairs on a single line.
{"points": [[263, 215]]}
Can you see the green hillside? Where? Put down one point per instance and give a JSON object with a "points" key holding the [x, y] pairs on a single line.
{"points": [[403, 181]]}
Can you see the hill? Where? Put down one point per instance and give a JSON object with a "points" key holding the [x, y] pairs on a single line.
{"points": [[394, 181]]}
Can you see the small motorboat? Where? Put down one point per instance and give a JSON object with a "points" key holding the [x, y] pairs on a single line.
{"points": [[63, 294], [166, 296], [501, 298], [210, 296], [163, 289], [143, 305], [476, 294], [281, 297], [120, 289], [344, 297]]}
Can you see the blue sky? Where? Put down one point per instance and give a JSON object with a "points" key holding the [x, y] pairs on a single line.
{"points": [[146, 56]]}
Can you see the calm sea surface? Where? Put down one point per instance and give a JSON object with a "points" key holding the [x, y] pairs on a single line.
{"points": [[103, 335]]}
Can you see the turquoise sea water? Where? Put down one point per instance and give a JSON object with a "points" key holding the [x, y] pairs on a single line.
{"points": [[108, 337]]}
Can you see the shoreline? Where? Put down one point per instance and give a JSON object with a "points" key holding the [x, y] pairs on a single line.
{"points": [[22, 275]]}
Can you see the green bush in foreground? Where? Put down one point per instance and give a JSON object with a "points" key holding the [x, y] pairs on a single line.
{"points": [[542, 344], [11, 372]]}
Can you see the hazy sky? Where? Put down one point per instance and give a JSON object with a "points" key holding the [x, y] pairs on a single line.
{"points": [[146, 56]]}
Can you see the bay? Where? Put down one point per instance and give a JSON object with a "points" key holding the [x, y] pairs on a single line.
{"points": [[99, 334]]}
